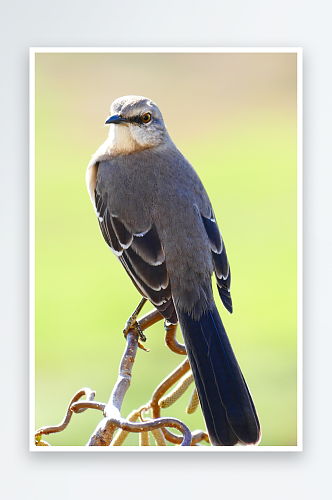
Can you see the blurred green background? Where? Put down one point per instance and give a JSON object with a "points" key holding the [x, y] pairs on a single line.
{"points": [[234, 117]]}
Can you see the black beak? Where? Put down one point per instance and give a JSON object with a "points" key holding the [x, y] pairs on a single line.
{"points": [[115, 119]]}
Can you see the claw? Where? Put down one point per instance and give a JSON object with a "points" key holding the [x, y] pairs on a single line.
{"points": [[132, 323], [141, 346], [140, 332]]}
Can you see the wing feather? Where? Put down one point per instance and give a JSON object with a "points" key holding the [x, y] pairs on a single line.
{"points": [[142, 256], [220, 261]]}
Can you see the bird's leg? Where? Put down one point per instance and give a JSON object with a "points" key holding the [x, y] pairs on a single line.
{"points": [[132, 323]]}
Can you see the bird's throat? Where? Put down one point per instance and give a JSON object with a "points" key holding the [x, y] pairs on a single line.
{"points": [[122, 140]]}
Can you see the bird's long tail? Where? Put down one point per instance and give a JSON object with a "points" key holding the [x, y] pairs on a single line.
{"points": [[227, 406]]}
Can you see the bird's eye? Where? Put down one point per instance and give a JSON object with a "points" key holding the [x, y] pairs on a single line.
{"points": [[146, 118]]}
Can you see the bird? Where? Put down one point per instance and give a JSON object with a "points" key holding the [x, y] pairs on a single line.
{"points": [[155, 215]]}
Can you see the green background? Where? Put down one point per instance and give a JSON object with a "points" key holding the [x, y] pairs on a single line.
{"points": [[234, 117]]}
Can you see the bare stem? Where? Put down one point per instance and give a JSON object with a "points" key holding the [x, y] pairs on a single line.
{"points": [[150, 319], [171, 341], [103, 434], [112, 420], [57, 428]]}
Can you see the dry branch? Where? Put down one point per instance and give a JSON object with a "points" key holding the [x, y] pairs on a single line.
{"points": [[103, 434], [57, 428]]}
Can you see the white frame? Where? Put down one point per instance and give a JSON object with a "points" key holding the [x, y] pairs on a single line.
{"points": [[299, 52]]}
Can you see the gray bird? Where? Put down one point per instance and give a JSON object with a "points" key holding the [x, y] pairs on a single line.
{"points": [[156, 217]]}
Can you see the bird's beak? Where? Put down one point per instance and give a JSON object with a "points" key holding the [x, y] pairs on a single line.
{"points": [[115, 119]]}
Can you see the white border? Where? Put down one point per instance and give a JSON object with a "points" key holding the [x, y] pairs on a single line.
{"points": [[32, 363], [236, 449], [300, 250], [162, 50]]}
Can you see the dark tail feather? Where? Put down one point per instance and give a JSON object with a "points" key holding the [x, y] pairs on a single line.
{"points": [[227, 406]]}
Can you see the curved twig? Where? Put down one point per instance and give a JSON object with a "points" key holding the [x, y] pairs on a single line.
{"points": [[84, 405], [199, 436], [58, 428], [150, 319], [125, 425], [112, 420], [171, 341], [161, 390], [103, 434], [122, 435], [166, 384]]}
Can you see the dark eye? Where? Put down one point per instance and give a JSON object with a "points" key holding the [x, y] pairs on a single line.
{"points": [[146, 118]]}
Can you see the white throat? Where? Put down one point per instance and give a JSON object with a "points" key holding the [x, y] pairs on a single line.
{"points": [[121, 140]]}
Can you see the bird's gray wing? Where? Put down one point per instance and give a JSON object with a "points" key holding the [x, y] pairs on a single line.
{"points": [[220, 261], [141, 254]]}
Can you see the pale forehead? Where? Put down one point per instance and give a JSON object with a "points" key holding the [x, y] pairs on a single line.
{"points": [[132, 105]]}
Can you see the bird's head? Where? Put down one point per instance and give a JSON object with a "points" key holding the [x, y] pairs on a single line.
{"points": [[135, 124]]}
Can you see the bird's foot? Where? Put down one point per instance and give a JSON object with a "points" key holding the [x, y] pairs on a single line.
{"points": [[139, 330], [132, 322]]}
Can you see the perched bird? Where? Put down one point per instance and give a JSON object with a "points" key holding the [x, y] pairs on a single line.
{"points": [[156, 217]]}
